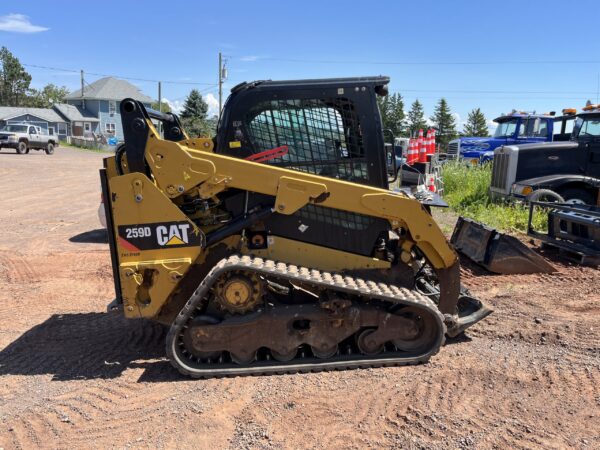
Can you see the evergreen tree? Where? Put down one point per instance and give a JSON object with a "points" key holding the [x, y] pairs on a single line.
{"points": [[384, 109], [195, 107], [391, 108], [416, 118], [396, 115], [193, 116], [444, 123], [14, 80], [476, 124]]}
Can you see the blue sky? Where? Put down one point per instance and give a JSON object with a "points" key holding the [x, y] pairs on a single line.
{"points": [[529, 55]]}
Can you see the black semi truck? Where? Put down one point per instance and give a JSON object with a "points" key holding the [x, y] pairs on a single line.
{"points": [[569, 168]]}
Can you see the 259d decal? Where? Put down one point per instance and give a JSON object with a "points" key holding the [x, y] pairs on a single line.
{"points": [[159, 235]]}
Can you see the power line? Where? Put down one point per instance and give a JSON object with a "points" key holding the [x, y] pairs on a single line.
{"points": [[474, 91], [417, 63], [119, 76]]}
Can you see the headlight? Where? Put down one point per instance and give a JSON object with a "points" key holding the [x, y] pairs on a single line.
{"points": [[521, 189], [12, 138]]}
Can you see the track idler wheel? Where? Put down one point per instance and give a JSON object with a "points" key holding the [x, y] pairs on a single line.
{"points": [[367, 344], [424, 331], [325, 351], [284, 357], [243, 359]]}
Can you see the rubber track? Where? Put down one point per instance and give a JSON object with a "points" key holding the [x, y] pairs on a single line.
{"points": [[354, 286]]}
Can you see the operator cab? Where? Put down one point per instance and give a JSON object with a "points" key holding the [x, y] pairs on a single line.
{"points": [[329, 127]]}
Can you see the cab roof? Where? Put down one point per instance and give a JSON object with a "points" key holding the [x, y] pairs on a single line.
{"points": [[312, 83], [521, 115]]}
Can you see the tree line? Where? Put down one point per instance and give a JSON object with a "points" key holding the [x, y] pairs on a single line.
{"points": [[408, 124]]}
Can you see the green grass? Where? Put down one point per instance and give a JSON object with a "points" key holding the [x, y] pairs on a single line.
{"points": [[466, 189], [95, 150]]}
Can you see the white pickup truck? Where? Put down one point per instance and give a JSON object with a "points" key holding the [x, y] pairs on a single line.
{"points": [[24, 137]]}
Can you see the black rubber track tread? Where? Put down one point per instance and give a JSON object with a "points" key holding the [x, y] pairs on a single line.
{"points": [[355, 286]]}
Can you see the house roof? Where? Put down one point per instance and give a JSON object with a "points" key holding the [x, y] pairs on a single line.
{"points": [[110, 88], [75, 113], [46, 114]]}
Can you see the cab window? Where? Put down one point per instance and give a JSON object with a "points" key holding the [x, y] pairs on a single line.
{"points": [[588, 127], [542, 129], [569, 124], [322, 137], [31, 130]]}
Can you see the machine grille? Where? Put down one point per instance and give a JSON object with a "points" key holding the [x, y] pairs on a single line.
{"points": [[453, 148], [499, 172]]}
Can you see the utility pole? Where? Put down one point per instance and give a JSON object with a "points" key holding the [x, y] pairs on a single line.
{"points": [[159, 105], [82, 83], [159, 97], [220, 83], [222, 78]]}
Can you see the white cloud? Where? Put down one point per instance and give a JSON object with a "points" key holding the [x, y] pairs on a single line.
{"points": [[213, 105], [250, 58], [459, 122], [19, 23], [175, 105]]}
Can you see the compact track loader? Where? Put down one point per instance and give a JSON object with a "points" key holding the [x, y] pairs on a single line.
{"points": [[278, 246]]}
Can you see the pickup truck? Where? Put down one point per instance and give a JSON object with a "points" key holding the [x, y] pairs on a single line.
{"points": [[569, 166], [514, 128], [24, 137]]}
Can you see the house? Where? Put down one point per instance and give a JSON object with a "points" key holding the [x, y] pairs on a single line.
{"points": [[100, 100], [79, 120], [48, 119], [96, 112]]}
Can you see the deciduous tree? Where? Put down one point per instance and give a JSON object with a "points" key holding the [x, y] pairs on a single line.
{"points": [[46, 97]]}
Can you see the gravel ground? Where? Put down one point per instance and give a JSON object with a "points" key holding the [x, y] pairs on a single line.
{"points": [[72, 375]]}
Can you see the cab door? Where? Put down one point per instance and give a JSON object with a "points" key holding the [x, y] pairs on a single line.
{"points": [[593, 156], [34, 137], [588, 135]]}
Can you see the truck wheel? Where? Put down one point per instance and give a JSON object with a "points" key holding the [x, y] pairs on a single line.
{"points": [[50, 148], [577, 196], [545, 195], [22, 148]]}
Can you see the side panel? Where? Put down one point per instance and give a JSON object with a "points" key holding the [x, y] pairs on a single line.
{"points": [[155, 243], [114, 257]]}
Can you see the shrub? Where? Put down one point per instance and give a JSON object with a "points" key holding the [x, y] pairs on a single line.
{"points": [[466, 189]]}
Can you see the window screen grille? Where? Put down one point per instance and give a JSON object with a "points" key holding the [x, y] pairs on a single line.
{"points": [[323, 136], [344, 219]]}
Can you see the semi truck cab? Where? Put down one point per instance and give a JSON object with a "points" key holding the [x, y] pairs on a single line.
{"points": [[515, 128]]}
